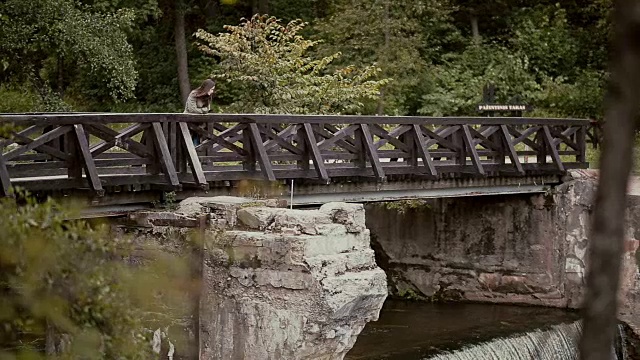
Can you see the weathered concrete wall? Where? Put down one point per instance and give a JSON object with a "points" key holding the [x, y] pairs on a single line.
{"points": [[275, 283], [293, 284], [527, 249]]}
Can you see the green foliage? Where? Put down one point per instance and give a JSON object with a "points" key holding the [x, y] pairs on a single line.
{"points": [[50, 41], [66, 285], [543, 35], [580, 99], [119, 55], [399, 36], [15, 99], [411, 295], [456, 86], [404, 206], [266, 67]]}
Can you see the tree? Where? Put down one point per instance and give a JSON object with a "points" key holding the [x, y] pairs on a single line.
{"points": [[66, 288], [50, 43], [264, 67], [394, 35], [607, 234], [455, 87], [542, 34], [483, 17], [181, 50]]}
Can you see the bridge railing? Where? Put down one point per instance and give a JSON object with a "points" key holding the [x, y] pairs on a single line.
{"points": [[168, 151]]}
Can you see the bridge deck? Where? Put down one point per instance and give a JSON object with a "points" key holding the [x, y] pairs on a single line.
{"points": [[116, 153]]}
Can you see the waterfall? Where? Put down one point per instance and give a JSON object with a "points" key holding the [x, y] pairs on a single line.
{"points": [[559, 342]]}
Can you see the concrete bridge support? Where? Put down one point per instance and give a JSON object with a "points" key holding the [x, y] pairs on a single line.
{"points": [[276, 283], [516, 249]]}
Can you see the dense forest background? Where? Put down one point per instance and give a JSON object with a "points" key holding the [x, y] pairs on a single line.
{"points": [[437, 55]]}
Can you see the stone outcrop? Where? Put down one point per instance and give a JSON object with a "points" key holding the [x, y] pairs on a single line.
{"points": [[527, 249], [287, 284], [274, 283]]}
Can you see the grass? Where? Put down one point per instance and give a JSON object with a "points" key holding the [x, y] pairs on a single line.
{"points": [[593, 157]]}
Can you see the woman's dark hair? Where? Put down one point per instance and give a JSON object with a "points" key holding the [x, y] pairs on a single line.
{"points": [[203, 90]]}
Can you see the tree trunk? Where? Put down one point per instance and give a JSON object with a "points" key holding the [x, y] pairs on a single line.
{"points": [[181, 52], [607, 234], [475, 32], [387, 40], [60, 80], [263, 6], [50, 340], [212, 9], [260, 7]]}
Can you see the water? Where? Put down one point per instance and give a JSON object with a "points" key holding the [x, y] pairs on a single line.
{"points": [[558, 342], [416, 331]]}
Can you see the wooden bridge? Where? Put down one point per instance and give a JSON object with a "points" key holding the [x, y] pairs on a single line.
{"points": [[101, 155]]}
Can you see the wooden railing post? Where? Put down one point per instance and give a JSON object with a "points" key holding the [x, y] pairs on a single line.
{"points": [[249, 163], [5, 180], [581, 140], [457, 138], [74, 164], [153, 167], [541, 156], [301, 141], [361, 158]]}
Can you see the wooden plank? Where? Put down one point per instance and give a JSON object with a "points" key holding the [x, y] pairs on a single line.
{"points": [[46, 149], [25, 133], [174, 140], [513, 154], [5, 180], [132, 161], [152, 168], [423, 151], [258, 147], [74, 163], [337, 136], [333, 128], [487, 131], [106, 118], [249, 163], [480, 139], [475, 159], [164, 157], [108, 135], [87, 160], [342, 142], [279, 141], [122, 139], [318, 162], [411, 158], [581, 139], [300, 139], [232, 135], [501, 147], [563, 137], [395, 133], [287, 133], [439, 137], [218, 140], [552, 148], [524, 136], [383, 134], [37, 142], [194, 161], [373, 154]]}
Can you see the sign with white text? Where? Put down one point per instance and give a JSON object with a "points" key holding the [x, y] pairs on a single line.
{"points": [[505, 107]]}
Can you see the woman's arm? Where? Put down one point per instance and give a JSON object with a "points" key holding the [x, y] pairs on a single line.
{"points": [[203, 103]]}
